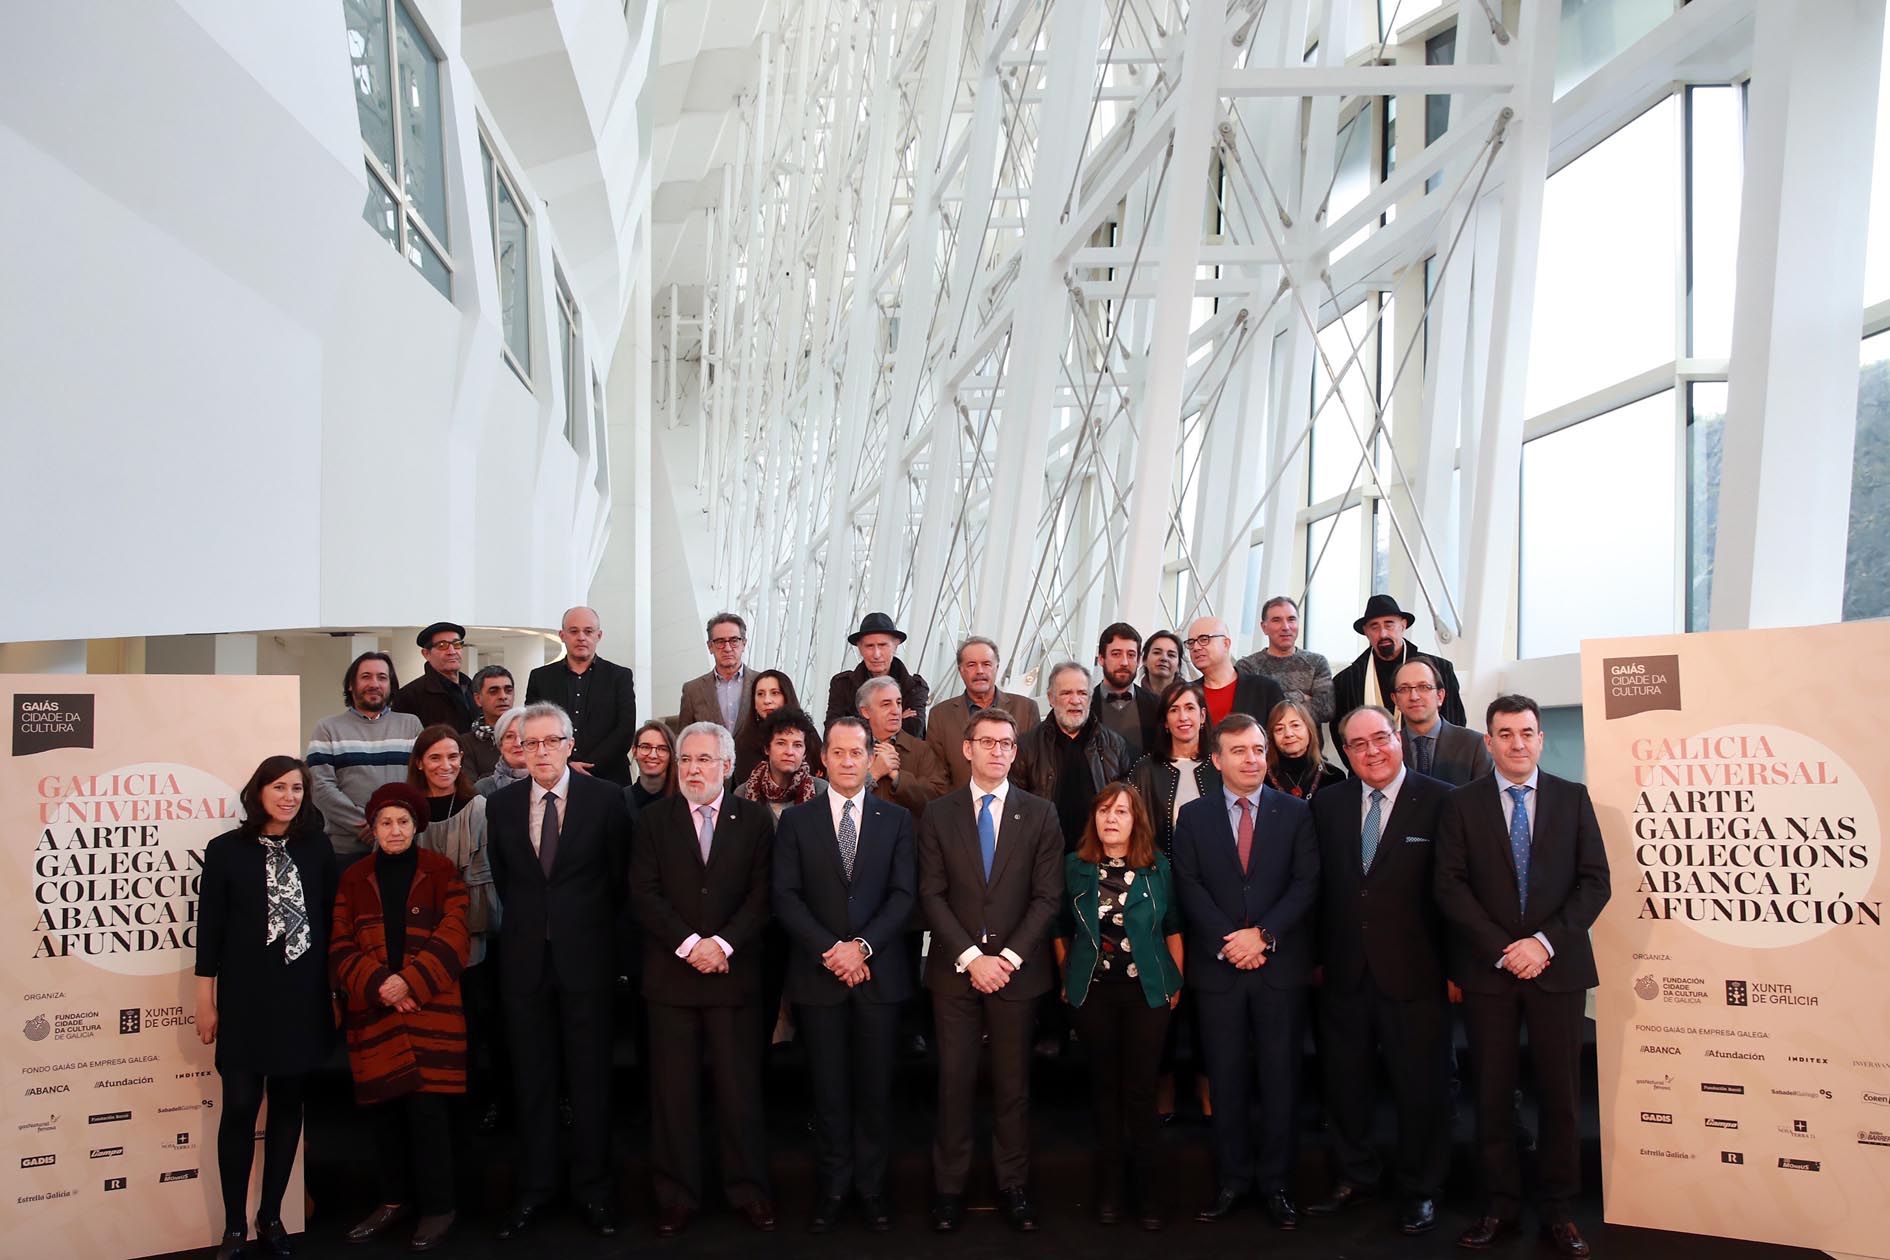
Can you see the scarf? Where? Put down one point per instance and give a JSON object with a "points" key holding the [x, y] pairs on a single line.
{"points": [[799, 790], [503, 774], [1373, 693], [481, 729], [1297, 776], [288, 910]]}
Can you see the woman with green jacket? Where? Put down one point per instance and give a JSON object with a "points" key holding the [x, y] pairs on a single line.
{"points": [[1120, 953]]}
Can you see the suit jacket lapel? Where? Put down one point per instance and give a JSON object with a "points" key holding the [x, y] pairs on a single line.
{"points": [[727, 816], [1010, 833], [1493, 812]]}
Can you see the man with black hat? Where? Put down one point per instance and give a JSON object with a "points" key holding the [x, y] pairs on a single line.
{"points": [[877, 639], [1384, 624], [441, 695]]}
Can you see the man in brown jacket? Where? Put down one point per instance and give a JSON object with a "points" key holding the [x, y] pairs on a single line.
{"points": [[950, 719], [903, 770]]}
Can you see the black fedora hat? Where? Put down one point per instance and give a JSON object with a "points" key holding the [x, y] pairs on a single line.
{"points": [[876, 623], [425, 637], [1381, 606]]}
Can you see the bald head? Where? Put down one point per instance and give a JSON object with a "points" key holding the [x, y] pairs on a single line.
{"points": [[1211, 649], [580, 631]]}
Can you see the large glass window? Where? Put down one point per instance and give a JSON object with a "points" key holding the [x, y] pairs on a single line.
{"points": [[1604, 307], [1867, 563], [1334, 461], [570, 359], [397, 100], [1594, 32], [1593, 566], [1877, 255], [511, 248], [1715, 167], [1332, 590], [1706, 428]]}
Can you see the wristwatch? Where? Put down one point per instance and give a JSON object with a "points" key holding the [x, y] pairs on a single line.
{"points": [[866, 950], [1267, 943]]}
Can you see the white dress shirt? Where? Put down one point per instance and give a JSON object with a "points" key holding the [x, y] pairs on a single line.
{"points": [[695, 824], [1503, 785], [838, 803], [1390, 791], [1000, 791], [535, 817]]}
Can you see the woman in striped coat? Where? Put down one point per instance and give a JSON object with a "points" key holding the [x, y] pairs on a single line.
{"points": [[398, 975]]}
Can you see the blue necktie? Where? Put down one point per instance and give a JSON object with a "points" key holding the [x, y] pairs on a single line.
{"points": [[1519, 843], [987, 834], [1374, 824]]}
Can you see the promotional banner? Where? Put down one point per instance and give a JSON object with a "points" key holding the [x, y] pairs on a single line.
{"points": [[1743, 1016], [111, 788]]}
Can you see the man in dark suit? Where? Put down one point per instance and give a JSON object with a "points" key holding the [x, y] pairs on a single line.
{"points": [[945, 725], [699, 887], [1124, 706], [1381, 945], [600, 696], [1228, 689], [442, 695], [991, 886], [1371, 677], [1521, 875], [1431, 745], [1247, 873], [721, 695], [560, 849], [878, 641], [845, 880]]}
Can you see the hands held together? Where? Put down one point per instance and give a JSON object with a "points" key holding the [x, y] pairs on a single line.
{"points": [[1525, 959], [847, 961]]}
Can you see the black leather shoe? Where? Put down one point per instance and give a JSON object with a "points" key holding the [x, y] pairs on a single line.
{"points": [[1225, 1204], [231, 1248], [378, 1222], [523, 1217], [759, 1213], [826, 1212], [431, 1232], [1567, 1239], [1150, 1219], [877, 1212], [1343, 1196], [1280, 1210], [1015, 1205], [1107, 1213], [601, 1219], [1483, 1231], [274, 1238], [1419, 1217], [948, 1213], [489, 1119], [673, 1220]]}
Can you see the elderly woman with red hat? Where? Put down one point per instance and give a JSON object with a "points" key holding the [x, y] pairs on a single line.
{"points": [[399, 944]]}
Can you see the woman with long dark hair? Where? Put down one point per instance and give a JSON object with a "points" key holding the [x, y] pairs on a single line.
{"points": [[1178, 769], [266, 899], [768, 692]]}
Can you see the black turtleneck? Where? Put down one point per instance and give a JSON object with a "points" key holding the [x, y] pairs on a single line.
{"points": [[443, 807], [394, 872], [1297, 776]]}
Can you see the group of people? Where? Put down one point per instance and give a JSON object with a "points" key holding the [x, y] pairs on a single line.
{"points": [[460, 884]]}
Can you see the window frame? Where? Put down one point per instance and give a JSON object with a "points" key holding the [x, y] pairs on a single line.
{"points": [[495, 169], [392, 185]]}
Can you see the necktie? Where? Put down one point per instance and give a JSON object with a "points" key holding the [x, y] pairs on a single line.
{"points": [[849, 840], [1374, 824], [705, 830], [1243, 842], [548, 834], [1519, 843], [987, 834], [1425, 748]]}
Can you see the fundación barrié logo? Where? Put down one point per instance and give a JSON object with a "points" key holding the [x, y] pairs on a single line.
{"points": [[42, 723], [1640, 684]]}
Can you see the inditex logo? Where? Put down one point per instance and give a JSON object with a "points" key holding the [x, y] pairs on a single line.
{"points": [[1640, 684], [42, 723]]}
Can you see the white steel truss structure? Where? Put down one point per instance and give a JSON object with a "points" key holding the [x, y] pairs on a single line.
{"points": [[1025, 316]]}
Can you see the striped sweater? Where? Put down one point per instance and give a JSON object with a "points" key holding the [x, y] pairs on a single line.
{"points": [[391, 1054], [348, 757]]}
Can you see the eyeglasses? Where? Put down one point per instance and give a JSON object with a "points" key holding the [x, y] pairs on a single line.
{"points": [[987, 743], [548, 743], [1380, 739], [1203, 640], [441, 645], [726, 642], [652, 748], [1413, 689]]}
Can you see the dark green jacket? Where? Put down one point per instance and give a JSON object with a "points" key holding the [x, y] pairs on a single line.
{"points": [[1152, 916]]}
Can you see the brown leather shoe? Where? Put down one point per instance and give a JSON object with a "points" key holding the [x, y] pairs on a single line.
{"points": [[431, 1232], [673, 1220], [1484, 1231], [760, 1214], [1568, 1240], [378, 1221]]}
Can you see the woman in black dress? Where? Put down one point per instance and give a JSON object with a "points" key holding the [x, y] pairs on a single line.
{"points": [[266, 900]]}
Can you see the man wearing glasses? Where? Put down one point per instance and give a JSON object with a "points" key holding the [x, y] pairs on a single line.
{"points": [[560, 859], [1432, 745], [1229, 690], [442, 695], [721, 695]]}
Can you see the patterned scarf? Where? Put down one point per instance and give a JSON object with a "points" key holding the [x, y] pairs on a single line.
{"points": [[481, 729], [761, 786], [288, 911]]}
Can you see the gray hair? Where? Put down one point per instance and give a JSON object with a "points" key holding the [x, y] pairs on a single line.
{"points": [[864, 696], [506, 719], [975, 640], [1050, 683], [543, 709], [724, 742]]}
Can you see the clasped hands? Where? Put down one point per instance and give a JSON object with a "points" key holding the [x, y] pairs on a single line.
{"points": [[847, 961], [885, 762], [1245, 948], [395, 993], [707, 957], [1525, 959], [989, 972]]}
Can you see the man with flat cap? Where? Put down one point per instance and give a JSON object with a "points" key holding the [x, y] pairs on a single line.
{"points": [[1373, 677], [878, 639], [442, 695]]}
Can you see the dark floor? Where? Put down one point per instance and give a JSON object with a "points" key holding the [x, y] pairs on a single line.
{"points": [[340, 1180]]}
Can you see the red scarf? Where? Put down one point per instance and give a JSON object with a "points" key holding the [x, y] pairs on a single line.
{"points": [[799, 790]]}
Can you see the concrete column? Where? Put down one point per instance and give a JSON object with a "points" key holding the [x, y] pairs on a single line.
{"points": [[523, 654], [44, 656], [234, 654]]}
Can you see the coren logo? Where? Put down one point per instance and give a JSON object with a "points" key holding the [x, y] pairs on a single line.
{"points": [[42, 723]]}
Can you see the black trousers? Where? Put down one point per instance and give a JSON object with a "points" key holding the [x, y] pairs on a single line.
{"points": [[1124, 1036], [1554, 1021], [678, 1035], [963, 1023], [488, 1066], [243, 1094], [413, 1147], [851, 1046], [1411, 1041], [549, 1027], [1251, 1033]]}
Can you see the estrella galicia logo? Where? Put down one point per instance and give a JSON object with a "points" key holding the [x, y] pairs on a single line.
{"points": [[42, 723], [130, 1020], [1735, 993]]}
